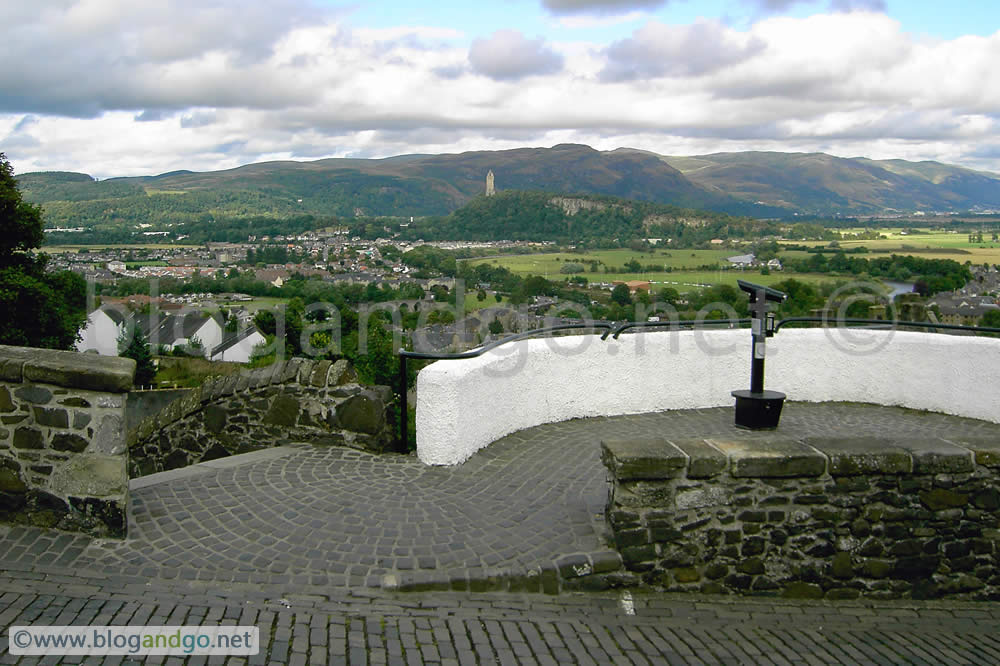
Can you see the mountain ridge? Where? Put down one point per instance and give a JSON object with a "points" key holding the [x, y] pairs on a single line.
{"points": [[754, 183]]}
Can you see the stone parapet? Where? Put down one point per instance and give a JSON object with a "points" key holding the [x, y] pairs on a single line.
{"points": [[63, 458], [298, 400], [821, 517]]}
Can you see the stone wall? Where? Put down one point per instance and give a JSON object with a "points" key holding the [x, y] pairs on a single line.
{"points": [[833, 518], [292, 401], [63, 458]]}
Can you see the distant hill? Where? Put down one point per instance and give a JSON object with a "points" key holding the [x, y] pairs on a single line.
{"points": [[820, 184], [758, 184], [541, 216]]}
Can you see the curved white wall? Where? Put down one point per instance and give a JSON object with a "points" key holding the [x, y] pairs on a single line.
{"points": [[464, 405]]}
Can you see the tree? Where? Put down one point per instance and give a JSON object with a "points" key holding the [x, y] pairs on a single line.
{"points": [[496, 326], [41, 309], [620, 295], [137, 348], [990, 319]]}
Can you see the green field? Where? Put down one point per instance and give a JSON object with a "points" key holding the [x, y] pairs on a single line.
{"points": [[258, 303], [930, 245], [548, 265], [57, 249]]}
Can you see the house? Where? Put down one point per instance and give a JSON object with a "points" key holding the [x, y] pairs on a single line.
{"points": [[742, 261], [116, 266], [774, 265], [105, 326], [634, 286], [180, 331], [237, 347]]}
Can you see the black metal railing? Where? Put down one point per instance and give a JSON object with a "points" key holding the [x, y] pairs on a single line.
{"points": [[611, 330]]}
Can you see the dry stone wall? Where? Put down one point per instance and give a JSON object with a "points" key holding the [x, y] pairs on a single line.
{"points": [[298, 400], [63, 455], [832, 518]]}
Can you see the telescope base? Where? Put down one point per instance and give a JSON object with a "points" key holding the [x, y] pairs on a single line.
{"points": [[758, 411]]}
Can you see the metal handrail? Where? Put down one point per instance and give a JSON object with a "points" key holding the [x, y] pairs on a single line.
{"points": [[677, 324], [885, 323]]}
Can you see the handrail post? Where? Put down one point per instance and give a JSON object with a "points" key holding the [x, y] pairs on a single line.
{"points": [[404, 410]]}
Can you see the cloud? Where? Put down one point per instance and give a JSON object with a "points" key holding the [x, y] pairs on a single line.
{"points": [[657, 50], [25, 122], [776, 6], [854, 83], [600, 6], [151, 116], [102, 55], [508, 55], [198, 119]]}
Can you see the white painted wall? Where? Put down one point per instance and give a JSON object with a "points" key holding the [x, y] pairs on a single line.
{"points": [[242, 350], [464, 405], [100, 334]]}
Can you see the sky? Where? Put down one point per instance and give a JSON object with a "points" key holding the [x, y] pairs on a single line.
{"points": [[127, 87]]}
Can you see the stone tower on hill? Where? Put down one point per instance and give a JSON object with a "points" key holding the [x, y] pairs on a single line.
{"points": [[490, 190]]}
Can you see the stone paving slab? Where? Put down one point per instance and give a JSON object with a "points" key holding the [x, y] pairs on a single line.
{"points": [[302, 625]]}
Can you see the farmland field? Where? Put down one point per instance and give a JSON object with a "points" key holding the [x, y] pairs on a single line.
{"points": [[548, 265], [97, 247], [551, 263], [929, 245]]}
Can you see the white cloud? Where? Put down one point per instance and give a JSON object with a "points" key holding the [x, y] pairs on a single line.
{"points": [[600, 6], [117, 97], [670, 50], [509, 55]]}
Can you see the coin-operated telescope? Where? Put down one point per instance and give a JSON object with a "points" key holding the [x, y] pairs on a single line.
{"points": [[758, 409]]}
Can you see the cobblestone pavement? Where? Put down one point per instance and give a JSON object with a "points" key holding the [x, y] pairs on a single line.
{"points": [[329, 530], [300, 624]]}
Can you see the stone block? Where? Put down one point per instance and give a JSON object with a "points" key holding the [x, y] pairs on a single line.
{"points": [[28, 438], [941, 499], [284, 411], [774, 457], [91, 475], [985, 450], [68, 442], [79, 371], [631, 459], [243, 381], [10, 477], [855, 456], [361, 413], [708, 495], [305, 371], [704, 460], [6, 404], [52, 418], [936, 456], [289, 371], [318, 376], [574, 566], [110, 435], [802, 590], [214, 418], [36, 395], [342, 372]]}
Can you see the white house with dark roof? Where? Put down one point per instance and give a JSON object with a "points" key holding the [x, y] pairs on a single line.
{"points": [[104, 326], [174, 331], [237, 347]]}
